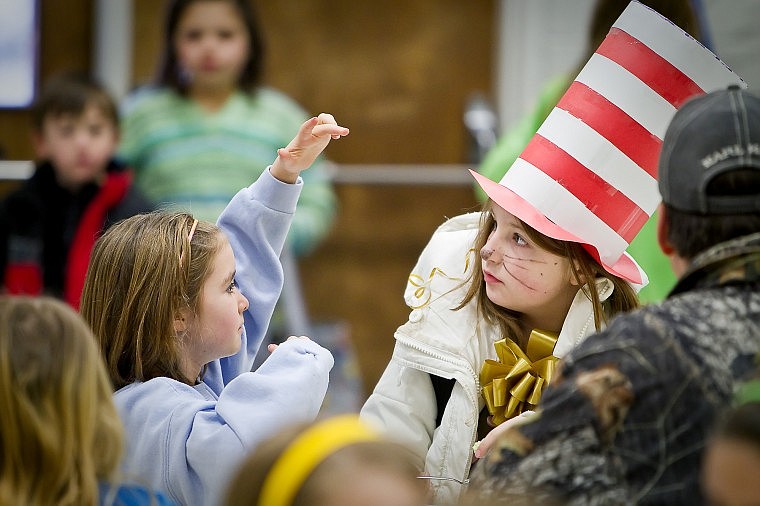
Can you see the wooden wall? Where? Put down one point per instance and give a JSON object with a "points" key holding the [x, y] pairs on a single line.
{"points": [[398, 74]]}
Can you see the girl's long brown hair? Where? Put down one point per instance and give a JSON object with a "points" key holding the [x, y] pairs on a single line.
{"points": [[143, 272]]}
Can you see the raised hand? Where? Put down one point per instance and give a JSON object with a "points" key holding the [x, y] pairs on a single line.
{"points": [[312, 138]]}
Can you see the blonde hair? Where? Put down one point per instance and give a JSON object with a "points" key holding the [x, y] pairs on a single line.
{"points": [[338, 467], [142, 272], [623, 297], [60, 433]]}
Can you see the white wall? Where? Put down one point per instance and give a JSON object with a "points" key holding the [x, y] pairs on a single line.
{"points": [[542, 38], [112, 47], [538, 39], [735, 31]]}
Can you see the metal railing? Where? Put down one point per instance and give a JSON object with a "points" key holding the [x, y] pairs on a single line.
{"points": [[297, 318], [13, 170], [401, 174]]}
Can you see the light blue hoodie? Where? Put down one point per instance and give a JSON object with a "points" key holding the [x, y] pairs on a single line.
{"points": [[188, 440]]}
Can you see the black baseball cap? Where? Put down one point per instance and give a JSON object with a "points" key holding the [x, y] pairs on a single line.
{"points": [[710, 135]]}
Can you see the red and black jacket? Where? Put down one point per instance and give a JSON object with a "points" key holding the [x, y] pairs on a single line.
{"points": [[47, 232]]}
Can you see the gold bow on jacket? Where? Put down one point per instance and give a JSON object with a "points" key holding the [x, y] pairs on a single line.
{"points": [[514, 383]]}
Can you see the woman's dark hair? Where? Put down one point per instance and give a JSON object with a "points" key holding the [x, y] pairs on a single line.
{"points": [[169, 72], [606, 12]]}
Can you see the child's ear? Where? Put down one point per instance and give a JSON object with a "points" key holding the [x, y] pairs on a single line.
{"points": [[576, 275], [181, 321], [663, 232]]}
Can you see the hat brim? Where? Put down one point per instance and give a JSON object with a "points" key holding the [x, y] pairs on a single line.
{"points": [[625, 267]]}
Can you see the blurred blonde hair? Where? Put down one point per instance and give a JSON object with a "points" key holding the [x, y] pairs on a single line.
{"points": [[339, 467], [60, 433], [142, 272]]}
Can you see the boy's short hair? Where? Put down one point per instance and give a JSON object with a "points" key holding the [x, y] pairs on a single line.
{"points": [[709, 170], [70, 94]]}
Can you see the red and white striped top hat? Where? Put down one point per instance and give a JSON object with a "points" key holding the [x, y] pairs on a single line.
{"points": [[589, 174]]}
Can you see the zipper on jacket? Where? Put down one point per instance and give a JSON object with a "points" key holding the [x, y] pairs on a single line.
{"points": [[473, 400]]}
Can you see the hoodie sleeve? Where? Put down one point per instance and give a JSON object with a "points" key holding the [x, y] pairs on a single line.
{"points": [[288, 388], [184, 441], [256, 222]]}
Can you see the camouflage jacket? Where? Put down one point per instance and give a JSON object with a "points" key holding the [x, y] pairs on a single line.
{"points": [[627, 419]]}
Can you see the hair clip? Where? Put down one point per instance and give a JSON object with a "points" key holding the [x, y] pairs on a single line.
{"points": [[192, 231], [189, 239]]}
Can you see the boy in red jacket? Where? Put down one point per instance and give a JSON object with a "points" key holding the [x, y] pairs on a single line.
{"points": [[48, 226]]}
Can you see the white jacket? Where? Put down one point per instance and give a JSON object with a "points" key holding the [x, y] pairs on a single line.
{"points": [[451, 344]]}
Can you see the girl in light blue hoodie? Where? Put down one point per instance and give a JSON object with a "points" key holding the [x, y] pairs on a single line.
{"points": [[180, 307]]}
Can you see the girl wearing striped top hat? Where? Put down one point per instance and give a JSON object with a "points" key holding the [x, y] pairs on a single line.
{"points": [[498, 297]]}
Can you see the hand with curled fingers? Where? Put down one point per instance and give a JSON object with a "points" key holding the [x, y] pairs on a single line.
{"points": [[273, 347], [482, 447], [312, 138]]}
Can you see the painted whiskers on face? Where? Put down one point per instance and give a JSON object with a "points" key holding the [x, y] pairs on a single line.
{"points": [[521, 276], [513, 261]]}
